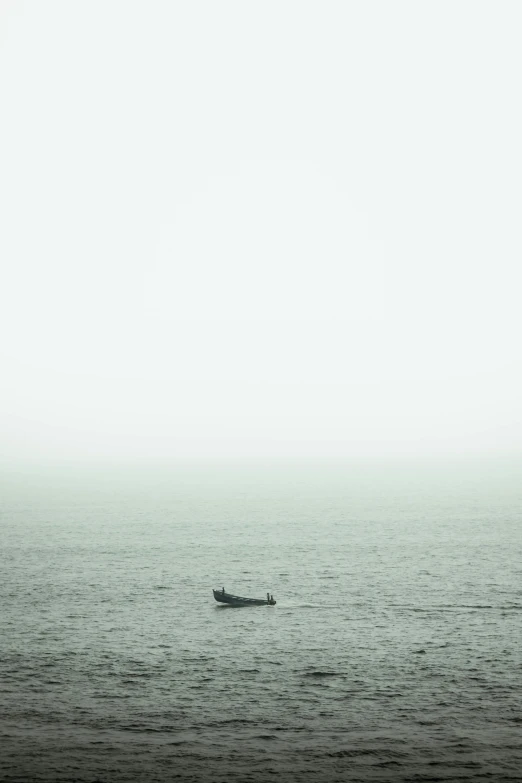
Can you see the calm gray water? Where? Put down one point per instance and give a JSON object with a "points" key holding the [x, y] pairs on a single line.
{"points": [[393, 654]]}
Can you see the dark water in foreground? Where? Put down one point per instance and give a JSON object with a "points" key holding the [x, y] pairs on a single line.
{"points": [[394, 652]]}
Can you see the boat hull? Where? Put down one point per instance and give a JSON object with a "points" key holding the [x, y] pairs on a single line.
{"points": [[236, 600]]}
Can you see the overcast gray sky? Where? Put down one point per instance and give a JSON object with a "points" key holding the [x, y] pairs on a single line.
{"points": [[260, 229]]}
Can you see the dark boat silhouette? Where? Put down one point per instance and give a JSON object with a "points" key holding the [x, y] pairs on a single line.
{"points": [[236, 600]]}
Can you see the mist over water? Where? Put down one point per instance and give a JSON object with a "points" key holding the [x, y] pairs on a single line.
{"points": [[393, 653]]}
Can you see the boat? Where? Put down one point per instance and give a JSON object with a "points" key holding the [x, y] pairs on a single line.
{"points": [[236, 600]]}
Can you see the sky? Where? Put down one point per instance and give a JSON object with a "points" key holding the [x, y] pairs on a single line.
{"points": [[259, 230]]}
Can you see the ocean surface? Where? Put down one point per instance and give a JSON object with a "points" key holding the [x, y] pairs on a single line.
{"points": [[394, 652]]}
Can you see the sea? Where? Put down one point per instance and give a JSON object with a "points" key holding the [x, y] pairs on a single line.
{"points": [[394, 652]]}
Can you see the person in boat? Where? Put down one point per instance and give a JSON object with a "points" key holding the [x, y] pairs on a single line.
{"points": [[268, 597], [271, 599], [223, 591]]}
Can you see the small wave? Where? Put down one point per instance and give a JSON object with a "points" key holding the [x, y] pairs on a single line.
{"points": [[230, 722], [457, 607], [481, 606], [144, 729], [339, 754], [373, 751]]}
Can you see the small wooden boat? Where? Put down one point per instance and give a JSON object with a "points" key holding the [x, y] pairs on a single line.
{"points": [[235, 600]]}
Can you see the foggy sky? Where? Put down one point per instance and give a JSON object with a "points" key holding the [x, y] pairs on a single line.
{"points": [[257, 229]]}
